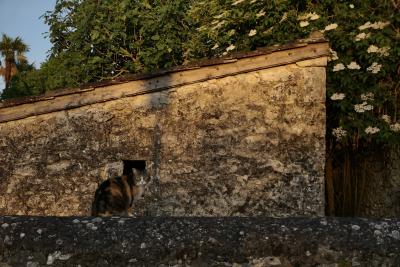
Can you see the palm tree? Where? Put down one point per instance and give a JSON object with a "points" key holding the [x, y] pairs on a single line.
{"points": [[13, 51]]}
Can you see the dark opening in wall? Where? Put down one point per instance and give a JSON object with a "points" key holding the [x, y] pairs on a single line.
{"points": [[137, 164]]}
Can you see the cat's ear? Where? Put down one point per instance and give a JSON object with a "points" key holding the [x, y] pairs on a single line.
{"points": [[150, 168], [136, 172], [104, 173]]}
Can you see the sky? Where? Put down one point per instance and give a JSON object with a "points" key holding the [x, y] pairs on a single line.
{"points": [[22, 18]]}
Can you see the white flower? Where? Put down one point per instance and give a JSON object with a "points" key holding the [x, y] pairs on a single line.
{"points": [[361, 108], [368, 96], [351, 6], [314, 16], [225, 53], [253, 1], [365, 26], [361, 36], [252, 32], [383, 51], [220, 16], [302, 17], [375, 67], [202, 28], [368, 107], [237, 2], [215, 47], [269, 30], [353, 66], [371, 130], [376, 25], [219, 25], [372, 49], [386, 118], [339, 133], [308, 16], [231, 32], [231, 47], [260, 14], [395, 127], [304, 23], [284, 17], [380, 25], [333, 55], [337, 96], [330, 27], [338, 67]]}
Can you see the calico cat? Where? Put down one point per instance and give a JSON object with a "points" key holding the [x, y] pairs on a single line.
{"points": [[115, 196]]}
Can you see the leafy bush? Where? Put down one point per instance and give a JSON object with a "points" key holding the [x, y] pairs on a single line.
{"points": [[363, 82], [106, 39]]}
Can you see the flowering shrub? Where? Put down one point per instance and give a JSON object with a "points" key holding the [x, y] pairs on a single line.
{"points": [[362, 74], [363, 83]]}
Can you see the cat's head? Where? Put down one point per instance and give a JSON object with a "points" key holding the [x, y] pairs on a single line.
{"points": [[139, 176], [143, 177]]}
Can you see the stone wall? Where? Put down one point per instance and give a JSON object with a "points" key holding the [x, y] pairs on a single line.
{"points": [[236, 242], [367, 182], [246, 142], [381, 198]]}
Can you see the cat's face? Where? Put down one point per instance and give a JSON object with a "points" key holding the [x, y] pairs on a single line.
{"points": [[141, 181], [139, 176]]}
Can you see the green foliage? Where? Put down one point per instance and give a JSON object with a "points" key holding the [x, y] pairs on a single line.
{"points": [[105, 39], [368, 85], [97, 40], [23, 83], [12, 51], [55, 73]]}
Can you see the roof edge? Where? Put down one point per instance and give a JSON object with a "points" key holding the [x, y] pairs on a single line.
{"points": [[142, 76]]}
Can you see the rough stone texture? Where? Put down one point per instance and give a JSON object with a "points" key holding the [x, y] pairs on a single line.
{"points": [[383, 176], [250, 242], [247, 144]]}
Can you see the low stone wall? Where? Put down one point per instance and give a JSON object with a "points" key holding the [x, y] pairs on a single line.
{"points": [[367, 183], [207, 241], [382, 193]]}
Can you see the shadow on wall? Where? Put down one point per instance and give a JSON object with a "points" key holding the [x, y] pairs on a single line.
{"points": [[53, 163], [148, 119], [366, 183]]}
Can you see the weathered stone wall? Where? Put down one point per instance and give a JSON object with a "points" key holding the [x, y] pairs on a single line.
{"points": [[381, 197], [367, 183], [247, 144], [237, 242]]}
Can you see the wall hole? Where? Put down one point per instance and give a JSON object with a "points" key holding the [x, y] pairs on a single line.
{"points": [[137, 164]]}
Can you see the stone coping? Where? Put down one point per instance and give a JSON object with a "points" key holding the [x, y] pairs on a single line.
{"points": [[300, 52], [198, 241]]}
